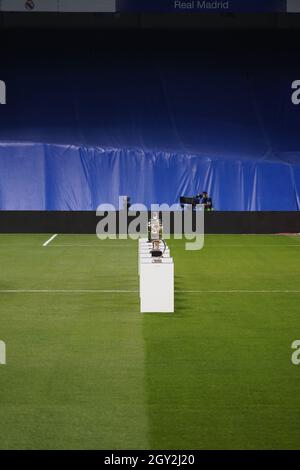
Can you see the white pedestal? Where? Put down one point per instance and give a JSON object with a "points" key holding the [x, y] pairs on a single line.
{"points": [[147, 256], [157, 286], [156, 280]]}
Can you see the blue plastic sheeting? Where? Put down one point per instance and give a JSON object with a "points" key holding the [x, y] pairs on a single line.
{"points": [[81, 128], [61, 177]]}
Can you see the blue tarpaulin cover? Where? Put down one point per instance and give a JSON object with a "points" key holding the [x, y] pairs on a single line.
{"points": [[81, 129]]}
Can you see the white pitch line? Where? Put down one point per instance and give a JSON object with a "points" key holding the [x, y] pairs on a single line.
{"points": [[102, 247], [237, 291], [67, 291], [123, 291], [50, 240], [252, 246], [96, 246], [206, 246]]}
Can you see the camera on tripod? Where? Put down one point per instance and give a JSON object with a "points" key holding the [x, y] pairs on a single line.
{"points": [[194, 201]]}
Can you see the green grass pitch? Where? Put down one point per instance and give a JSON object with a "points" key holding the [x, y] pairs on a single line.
{"points": [[86, 370]]}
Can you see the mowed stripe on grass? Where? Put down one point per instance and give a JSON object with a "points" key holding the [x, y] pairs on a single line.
{"points": [[75, 364]]}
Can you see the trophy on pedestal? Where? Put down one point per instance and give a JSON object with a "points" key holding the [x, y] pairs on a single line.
{"points": [[155, 231], [156, 270]]}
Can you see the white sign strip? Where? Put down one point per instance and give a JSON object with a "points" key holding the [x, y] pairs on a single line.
{"points": [[88, 6], [29, 5], [71, 6], [293, 6]]}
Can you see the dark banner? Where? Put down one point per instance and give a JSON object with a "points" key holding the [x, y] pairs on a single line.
{"points": [[85, 222], [202, 6]]}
